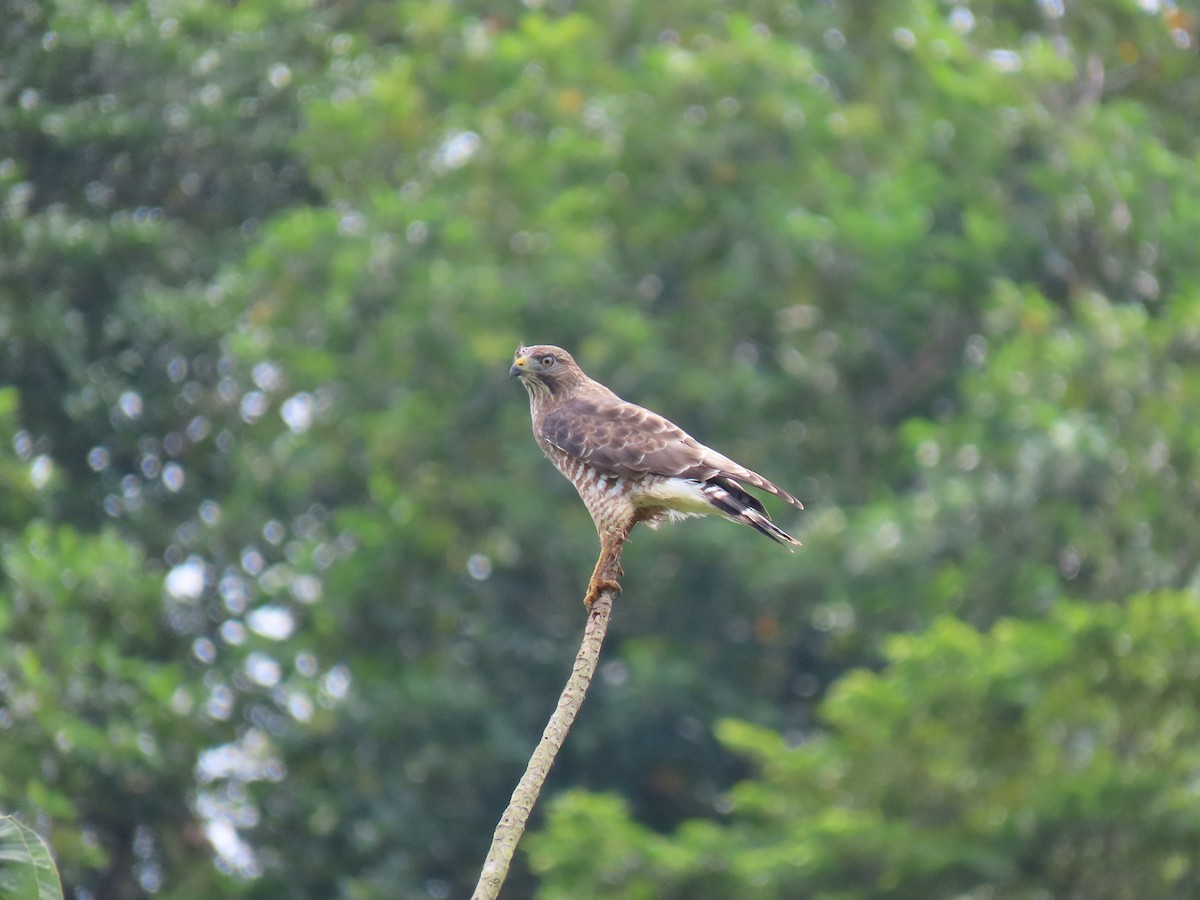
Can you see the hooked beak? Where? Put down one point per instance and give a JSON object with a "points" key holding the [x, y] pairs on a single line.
{"points": [[518, 367]]}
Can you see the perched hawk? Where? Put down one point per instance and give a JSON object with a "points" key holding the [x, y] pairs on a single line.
{"points": [[629, 464]]}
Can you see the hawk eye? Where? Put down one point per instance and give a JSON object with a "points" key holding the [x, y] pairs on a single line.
{"points": [[547, 361]]}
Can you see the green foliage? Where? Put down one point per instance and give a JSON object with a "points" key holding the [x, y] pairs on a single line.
{"points": [[284, 584], [26, 869], [1049, 758], [103, 734], [1072, 437]]}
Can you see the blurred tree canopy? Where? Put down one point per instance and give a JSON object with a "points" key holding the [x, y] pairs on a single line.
{"points": [[1049, 758], [286, 590]]}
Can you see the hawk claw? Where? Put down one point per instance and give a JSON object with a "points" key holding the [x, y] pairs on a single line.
{"points": [[598, 586]]}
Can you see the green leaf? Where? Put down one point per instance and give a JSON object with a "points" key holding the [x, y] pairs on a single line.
{"points": [[26, 870]]}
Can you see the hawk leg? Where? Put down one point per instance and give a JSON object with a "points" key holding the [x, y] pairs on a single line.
{"points": [[607, 571]]}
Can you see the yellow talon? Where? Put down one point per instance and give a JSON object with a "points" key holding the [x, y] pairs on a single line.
{"points": [[598, 586]]}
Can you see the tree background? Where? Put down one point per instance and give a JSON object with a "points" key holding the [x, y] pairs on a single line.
{"points": [[288, 591]]}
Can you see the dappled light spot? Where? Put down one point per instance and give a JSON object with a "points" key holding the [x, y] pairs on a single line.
{"points": [[299, 706], [150, 466], [186, 580], [267, 375], [1004, 60], [172, 477], [306, 588], [297, 412], [263, 669], [279, 75], [456, 150], [41, 471], [253, 405], [130, 405], [1052, 9], [210, 512], [479, 566], [198, 429], [928, 453], [352, 223], [252, 561], [274, 622], [274, 532], [968, 457], [234, 854], [204, 650], [235, 591], [962, 19], [336, 683], [181, 701], [23, 444], [416, 233], [838, 618]]}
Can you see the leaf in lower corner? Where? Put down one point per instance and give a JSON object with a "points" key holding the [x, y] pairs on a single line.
{"points": [[26, 870]]}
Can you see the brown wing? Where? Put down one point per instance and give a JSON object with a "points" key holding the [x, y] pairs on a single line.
{"points": [[626, 440]]}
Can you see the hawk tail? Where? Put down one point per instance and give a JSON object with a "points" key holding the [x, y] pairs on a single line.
{"points": [[734, 503]]}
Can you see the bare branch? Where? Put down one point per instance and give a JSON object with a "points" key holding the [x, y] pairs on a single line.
{"points": [[512, 823]]}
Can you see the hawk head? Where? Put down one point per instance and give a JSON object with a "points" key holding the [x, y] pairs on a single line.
{"points": [[546, 369]]}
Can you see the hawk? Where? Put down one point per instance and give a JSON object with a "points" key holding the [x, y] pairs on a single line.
{"points": [[629, 464]]}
